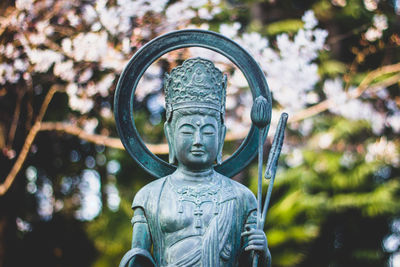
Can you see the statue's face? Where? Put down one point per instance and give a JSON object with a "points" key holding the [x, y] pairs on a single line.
{"points": [[196, 141]]}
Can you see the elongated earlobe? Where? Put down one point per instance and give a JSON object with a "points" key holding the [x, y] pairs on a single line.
{"points": [[168, 134], [221, 143]]}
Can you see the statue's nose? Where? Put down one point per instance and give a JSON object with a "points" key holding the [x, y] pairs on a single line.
{"points": [[197, 139]]}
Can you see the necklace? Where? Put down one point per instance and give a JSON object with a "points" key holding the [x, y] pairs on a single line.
{"points": [[197, 195]]}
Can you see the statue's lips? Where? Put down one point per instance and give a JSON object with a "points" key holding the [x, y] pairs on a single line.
{"points": [[197, 152]]}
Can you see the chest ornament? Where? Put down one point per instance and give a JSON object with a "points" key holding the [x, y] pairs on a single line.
{"points": [[198, 195]]}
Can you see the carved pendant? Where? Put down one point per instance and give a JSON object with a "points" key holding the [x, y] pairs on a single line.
{"points": [[197, 195]]}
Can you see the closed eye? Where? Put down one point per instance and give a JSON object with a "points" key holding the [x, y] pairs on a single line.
{"points": [[186, 129], [208, 130]]}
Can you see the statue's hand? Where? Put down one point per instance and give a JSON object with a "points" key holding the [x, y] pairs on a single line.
{"points": [[257, 241]]}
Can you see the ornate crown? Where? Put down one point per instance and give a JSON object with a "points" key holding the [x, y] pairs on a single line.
{"points": [[195, 83]]}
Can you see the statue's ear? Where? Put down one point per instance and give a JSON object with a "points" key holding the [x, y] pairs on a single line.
{"points": [[170, 139], [222, 134]]}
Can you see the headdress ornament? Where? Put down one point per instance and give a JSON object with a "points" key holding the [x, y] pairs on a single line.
{"points": [[195, 83]]}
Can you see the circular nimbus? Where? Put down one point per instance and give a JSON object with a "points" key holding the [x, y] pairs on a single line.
{"points": [[125, 95]]}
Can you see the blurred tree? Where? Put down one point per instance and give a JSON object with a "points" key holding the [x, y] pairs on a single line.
{"points": [[66, 183]]}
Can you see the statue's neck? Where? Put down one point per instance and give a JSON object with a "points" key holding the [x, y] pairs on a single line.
{"points": [[189, 176]]}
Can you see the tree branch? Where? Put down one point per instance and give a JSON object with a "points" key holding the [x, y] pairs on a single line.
{"points": [[28, 142], [364, 85], [14, 122], [113, 142]]}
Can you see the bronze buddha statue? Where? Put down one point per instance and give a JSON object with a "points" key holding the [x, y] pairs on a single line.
{"points": [[195, 216]]}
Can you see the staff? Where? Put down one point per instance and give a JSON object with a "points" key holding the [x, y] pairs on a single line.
{"points": [[272, 163], [260, 116]]}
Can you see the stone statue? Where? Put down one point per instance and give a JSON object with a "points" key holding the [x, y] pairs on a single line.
{"points": [[194, 215]]}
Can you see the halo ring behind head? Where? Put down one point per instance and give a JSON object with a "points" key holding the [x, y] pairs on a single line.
{"points": [[138, 64]]}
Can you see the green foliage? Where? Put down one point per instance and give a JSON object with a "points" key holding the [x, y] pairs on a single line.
{"points": [[333, 192], [288, 26], [149, 132], [332, 68], [306, 196], [102, 231]]}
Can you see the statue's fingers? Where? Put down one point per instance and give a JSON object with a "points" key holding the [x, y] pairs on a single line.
{"points": [[244, 234], [257, 242], [255, 236], [248, 232], [259, 231], [254, 247]]}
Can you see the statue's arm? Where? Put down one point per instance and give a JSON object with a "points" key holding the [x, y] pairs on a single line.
{"points": [[141, 233], [141, 240]]}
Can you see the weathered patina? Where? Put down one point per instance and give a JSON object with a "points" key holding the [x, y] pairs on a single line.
{"points": [[194, 214]]}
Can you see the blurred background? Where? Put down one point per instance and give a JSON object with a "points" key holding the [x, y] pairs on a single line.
{"points": [[66, 183]]}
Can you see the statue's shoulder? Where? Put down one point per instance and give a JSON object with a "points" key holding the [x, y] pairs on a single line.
{"points": [[148, 191], [242, 192]]}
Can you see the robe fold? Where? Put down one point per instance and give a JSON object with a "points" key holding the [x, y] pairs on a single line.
{"points": [[221, 245]]}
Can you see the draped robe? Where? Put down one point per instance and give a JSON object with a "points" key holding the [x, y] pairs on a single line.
{"points": [[221, 242]]}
